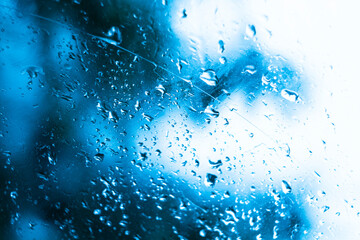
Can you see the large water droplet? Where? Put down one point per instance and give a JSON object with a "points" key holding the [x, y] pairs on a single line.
{"points": [[290, 95], [34, 71], [285, 187], [210, 180], [250, 31], [209, 77], [211, 112], [115, 34], [13, 195], [250, 69]]}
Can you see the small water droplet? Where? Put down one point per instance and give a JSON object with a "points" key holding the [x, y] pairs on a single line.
{"points": [[13, 195], [115, 35], [216, 164], [250, 31], [222, 60], [285, 187], [184, 14], [209, 77], [161, 89], [325, 208], [202, 233], [290, 95], [250, 69], [34, 71], [137, 105], [97, 212], [211, 112], [221, 46], [52, 159], [99, 157], [147, 117], [210, 180]]}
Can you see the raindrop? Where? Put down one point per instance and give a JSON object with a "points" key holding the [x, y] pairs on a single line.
{"points": [[325, 208], [285, 187], [209, 77], [51, 159], [99, 157], [210, 180], [147, 117], [137, 105], [222, 60], [97, 212], [202, 233], [216, 164], [184, 14], [250, 69], [34, 71], [115, 35], [290, 95], [211, 112], [161, 89], [221, 46], [250, 31], [13, 195], [265, 80]]}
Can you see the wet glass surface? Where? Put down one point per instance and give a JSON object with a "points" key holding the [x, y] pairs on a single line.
{"points": [[178, 120]]}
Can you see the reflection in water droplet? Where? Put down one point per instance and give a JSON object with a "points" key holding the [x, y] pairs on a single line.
{"points": [[209, 77], [290, 95], [210, 180], [285, 187], [250, 31]]}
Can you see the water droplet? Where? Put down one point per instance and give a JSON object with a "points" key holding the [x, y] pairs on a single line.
{"points": [[265, 80], [325, 208], [161, 89], [250, 69], [285, 187], [202, 233], [99, 157], [52, 159], [216, 164], [97, 212], [137, 105], [147, 117], [115, 35], [211, 112], [222, 60], [13, 195], [290, 95], [250, 31], [113, 117], [221, 46], [209, 77], [184, 14], [210, 180], [34, 71]]}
